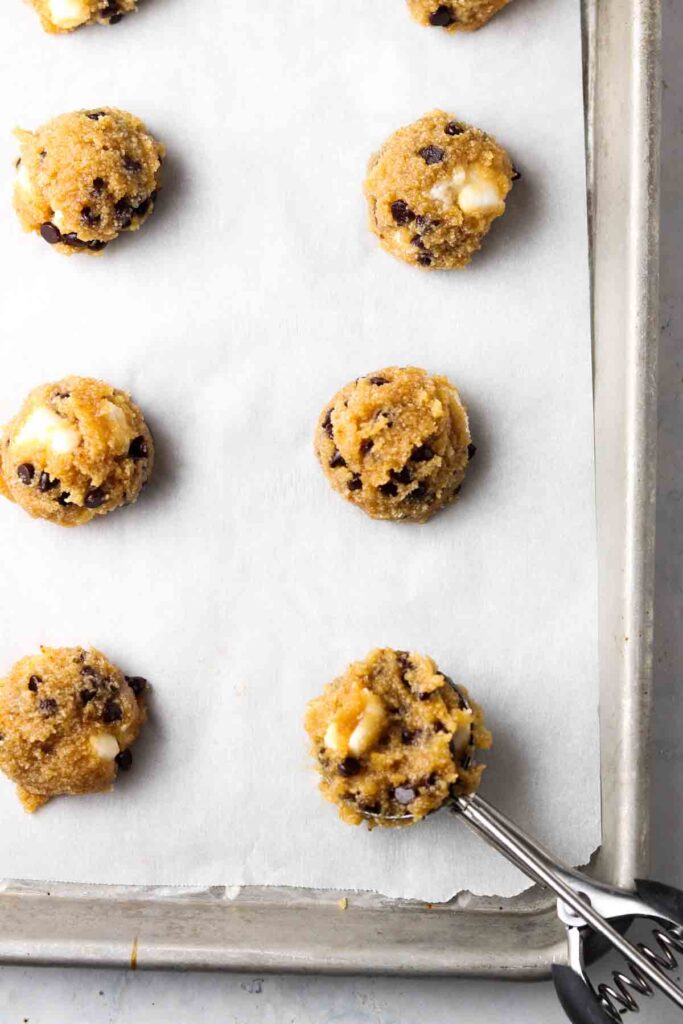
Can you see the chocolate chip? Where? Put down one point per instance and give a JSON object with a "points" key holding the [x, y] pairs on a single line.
{"points": [[95, 115], [42, 154], [112, 712], [433, 779], [138, 448], [137, 684], [88, 218], [131, 165], [327, 424], [378, 381], [349, 766], [418, 493], [426, 224], [98, 186], [374, 808], [74, 241], [45, 483], [424, 259], [63, 499], [95, 497], [417, 242], [96, 245], [87, 695], [423, 453], [366, 445], [355, 483], [424, 696], [142, 208], [402, 476], [401, 212], [440, 727], [25, 472], [404, 795], [408, 737], [471, 451], [33, 683], [124, 760], [442, 17], [432, 154], [111, 9], [48, 706], [516, 175], [337, 460], [50, 233], [123, 213], [453, 128], [115, 19], [389, 490]]}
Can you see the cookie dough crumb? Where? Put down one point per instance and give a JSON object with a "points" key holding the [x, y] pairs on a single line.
{"points": [[434, 189], [84, 178], [455, 15], [394, 739], [68, 718], [396, 443], [78, 448], [66, 15]]}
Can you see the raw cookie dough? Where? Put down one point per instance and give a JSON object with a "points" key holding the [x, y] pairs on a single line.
{"points": [[455, 15], [434, 189], [85, 177], [67, 720], [396, 443], [66, 15], [78, 448], [395, 737]]}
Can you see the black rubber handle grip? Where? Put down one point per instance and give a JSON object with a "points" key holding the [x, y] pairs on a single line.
{"points": [[664, 899], [579, 1002]]}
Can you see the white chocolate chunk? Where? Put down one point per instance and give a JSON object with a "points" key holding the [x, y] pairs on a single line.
{"points": [[462, 739], [370, 725], [69, 13], [105, 746], [333, 740], [22, 181], [473, 188], [121, 433], [43, 428]]}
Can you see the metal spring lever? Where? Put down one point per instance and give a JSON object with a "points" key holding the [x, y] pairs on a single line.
{"points": [[584, 904]]}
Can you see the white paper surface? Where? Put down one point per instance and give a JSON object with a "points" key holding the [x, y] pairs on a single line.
{"points": [[241, 583]]}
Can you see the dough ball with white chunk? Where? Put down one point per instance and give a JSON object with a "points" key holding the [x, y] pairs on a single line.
{"points": [[84, 178], [455, 15], [67, 720], [394, 739], [66, 15], [434, 189], [78, 448]]}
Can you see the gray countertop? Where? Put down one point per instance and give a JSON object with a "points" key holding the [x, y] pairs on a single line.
{"points": [[55, 996]]}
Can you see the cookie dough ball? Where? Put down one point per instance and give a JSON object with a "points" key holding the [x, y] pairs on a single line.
{"points": [[394, 738], [85, 177], [77, 449], [434, 189], [66, 15], [396, 443], [455, 15], [67, 720]]}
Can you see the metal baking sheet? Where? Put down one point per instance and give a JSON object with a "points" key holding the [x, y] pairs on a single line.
{"points": [[294, 930]]}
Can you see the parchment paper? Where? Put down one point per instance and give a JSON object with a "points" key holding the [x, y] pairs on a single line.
{"points": [[240, 583]]}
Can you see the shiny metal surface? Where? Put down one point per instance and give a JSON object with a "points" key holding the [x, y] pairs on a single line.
{"points": [[297, 930]]}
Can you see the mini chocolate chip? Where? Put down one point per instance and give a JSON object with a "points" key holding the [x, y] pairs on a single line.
{"points": [[423, 453], [418, 493], [142, 208], [337, 460], [424, 259], [432, 154], [48, 706], [442, 17], [42, 154], [402, 476], [425, 696], [123, 211], [516, 175], [115, 19], [369, 808], [426, 224], [45, 483], [50, 232], [349, 766], [138, 448], [355, 483], [112, 712], [88, 670], [97, 245], [87, 695], [404, 795], [401, 212], [88, 218], [137, 684], [408, 737], [124, 760], [366, 445], [471, 451], [440, 727], [95, 115], [131, 165], [98, 186], [63, 499], [327, 424], [378, 381], [453, 128], [74, 241], [389, 489], [95, 497], [417, 242], [25, 472], [33, 683], [433, 779]]}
